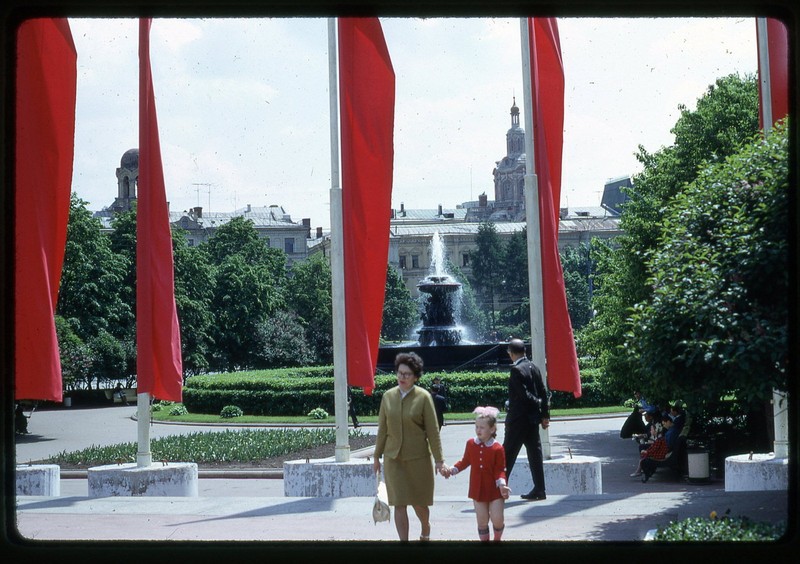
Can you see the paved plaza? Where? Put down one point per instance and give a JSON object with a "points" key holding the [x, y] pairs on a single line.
{"points": [[239, 508]]}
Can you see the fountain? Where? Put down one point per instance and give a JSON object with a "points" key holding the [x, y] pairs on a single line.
{"points": [[440, 341], [440, 298]]}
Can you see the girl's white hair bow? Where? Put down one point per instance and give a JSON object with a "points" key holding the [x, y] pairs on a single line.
{"points": [[487, 411]]}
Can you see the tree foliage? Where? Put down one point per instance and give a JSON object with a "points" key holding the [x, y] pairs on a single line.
{"points": [[310, 289], [400, 314], [577, 268], [717, 323], [487, 267], [725, 118]]}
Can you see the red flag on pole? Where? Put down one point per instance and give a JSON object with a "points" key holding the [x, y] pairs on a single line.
{"points": [[547, 89], [367, 93], [45, 132], [158, 348], [773, 70]]}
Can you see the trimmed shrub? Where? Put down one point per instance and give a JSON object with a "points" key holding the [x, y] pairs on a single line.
{"points": [[230, 411], [317, 413], [298, 391]]}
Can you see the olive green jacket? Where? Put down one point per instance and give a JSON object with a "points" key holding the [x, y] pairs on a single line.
{"points": [[407, 427]]}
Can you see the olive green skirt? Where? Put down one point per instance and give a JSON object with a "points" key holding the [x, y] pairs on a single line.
{"points": [[409, 482]]}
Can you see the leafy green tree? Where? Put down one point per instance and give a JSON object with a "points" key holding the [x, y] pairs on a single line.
{"points": [[400, 313], [75, 355], [726, 116], [244, 298], [487, 268], [249, 287], [515, 267], [194, 296], [93, 291], [717, 325], [110, 358], [283, 342], [576, 264], [470, 315], [309, 286], [123, 244]]}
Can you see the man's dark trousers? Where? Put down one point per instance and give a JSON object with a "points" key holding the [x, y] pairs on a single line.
{"points": [[522, 433]]}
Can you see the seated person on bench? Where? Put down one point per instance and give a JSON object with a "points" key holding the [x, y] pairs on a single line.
{"points": [[661, 448]]}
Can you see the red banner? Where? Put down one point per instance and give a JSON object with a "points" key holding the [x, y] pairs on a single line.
{"points": [[367, 94], [547, 89], [158, 338], [777, 72], [46, 77]]}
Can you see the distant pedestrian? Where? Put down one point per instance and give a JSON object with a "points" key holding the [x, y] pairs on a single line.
{"points": [[439, 403], [20, 421], [487, 480], [351, 409]]}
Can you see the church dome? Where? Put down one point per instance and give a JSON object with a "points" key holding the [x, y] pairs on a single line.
{"points": [[130, 159]]}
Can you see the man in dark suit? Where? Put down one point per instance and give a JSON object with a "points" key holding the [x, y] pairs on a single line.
{"points": [[528, 407]]}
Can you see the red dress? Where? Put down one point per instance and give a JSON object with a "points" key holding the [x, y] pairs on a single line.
{"points": [[488, 461]]}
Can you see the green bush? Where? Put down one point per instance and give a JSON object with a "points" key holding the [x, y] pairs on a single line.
{"points": [[178, 410], [723, 529], [297, 391], [230, 411], [317, 413]]}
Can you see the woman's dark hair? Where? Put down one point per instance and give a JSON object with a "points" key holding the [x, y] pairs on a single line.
{"points": [[412, 360]]}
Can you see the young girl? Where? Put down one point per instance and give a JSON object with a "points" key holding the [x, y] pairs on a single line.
{"points": [[487, 481]]}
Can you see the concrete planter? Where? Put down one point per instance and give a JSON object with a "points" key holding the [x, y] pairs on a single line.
{"points": [[757, 472], [326, 478], [39, 479], [578, 475], [171, 479]]}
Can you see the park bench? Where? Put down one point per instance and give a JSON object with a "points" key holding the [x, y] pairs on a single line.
{"points": [[676, 460]]}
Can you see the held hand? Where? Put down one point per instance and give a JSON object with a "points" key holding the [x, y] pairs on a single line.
{"points": [[446, 471], [441, 468], [545, 423], [505, 491]]}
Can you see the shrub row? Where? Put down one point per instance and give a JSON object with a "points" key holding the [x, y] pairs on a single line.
{"points": [[297, 391]]}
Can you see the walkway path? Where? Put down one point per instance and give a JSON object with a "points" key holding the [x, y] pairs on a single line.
{"points": [[255, 509]]}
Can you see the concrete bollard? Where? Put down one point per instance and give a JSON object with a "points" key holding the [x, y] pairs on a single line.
{"points": [[579, 475], [39, 479], [757, 472], [178, 479], [326, 478]]}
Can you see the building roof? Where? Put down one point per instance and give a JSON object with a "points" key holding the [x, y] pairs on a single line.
{"points": [[448, 214], [262, 216]]}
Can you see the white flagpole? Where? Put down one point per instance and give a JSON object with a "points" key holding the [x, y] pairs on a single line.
{"points": [[780, 411], [764, 71], [342, 450], [536, 293], [144, 457]]}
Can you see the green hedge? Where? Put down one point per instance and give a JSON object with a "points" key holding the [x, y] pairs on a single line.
{"points": [[297, 391]]}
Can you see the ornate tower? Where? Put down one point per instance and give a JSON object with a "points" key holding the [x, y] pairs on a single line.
{"points": [[509, 174], [127, 181]]}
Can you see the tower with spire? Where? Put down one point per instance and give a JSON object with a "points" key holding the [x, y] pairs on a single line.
{"points": [[509, 173]]}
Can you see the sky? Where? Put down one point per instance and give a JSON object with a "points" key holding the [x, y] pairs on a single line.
{"points": [[244, 118]]}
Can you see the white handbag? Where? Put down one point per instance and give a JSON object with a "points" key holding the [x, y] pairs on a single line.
{"points": [[380, 508]]}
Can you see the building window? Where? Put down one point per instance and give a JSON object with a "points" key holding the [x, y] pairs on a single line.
{"points": [[402, 262], [288, 246], [414, 261], [465, 259]]}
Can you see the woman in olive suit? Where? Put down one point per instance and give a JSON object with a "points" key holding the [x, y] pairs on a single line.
{"points": [[408, 440]]}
